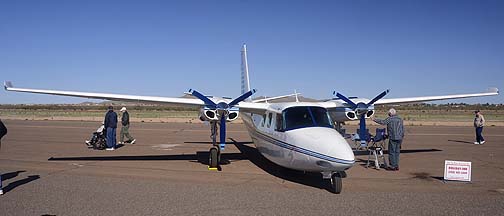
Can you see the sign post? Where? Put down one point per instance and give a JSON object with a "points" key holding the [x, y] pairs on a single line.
{"points": [[457, 171]]}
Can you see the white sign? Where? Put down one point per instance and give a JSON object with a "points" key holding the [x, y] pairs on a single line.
{"points": [[457, 170]]}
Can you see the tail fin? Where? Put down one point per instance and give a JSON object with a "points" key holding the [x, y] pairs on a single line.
{"points": [[245, 84]]}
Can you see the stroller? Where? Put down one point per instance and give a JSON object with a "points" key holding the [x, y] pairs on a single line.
{"points": [[98, 140]]}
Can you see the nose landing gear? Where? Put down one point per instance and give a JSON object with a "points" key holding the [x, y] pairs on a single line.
{"points": [[335, 180], [336, 183], [214, 153], [214, 158]]}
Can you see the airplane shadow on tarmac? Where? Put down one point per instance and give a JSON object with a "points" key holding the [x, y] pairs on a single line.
{"points": [[300, 177], [364, 162], [461, 141], [405, 151], [247, 153], [17, 183], [200, 157]]}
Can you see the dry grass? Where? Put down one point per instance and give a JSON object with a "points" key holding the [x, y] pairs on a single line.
{"points": [[413, 115]]}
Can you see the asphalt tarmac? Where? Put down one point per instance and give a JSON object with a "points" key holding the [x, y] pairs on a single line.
{"points": [[47, 170]]}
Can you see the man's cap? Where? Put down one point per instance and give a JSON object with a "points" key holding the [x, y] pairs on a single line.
{"points": [[123, 109], [110, 107], [476, 111]]}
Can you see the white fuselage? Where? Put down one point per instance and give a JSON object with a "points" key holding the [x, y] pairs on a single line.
{"points": [[313, 149]]}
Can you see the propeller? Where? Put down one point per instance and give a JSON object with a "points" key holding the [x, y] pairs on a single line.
{"points": [[222, 109], [361, 110]]}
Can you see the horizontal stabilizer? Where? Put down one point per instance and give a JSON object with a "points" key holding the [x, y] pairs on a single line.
{"points": [[275, 98]]}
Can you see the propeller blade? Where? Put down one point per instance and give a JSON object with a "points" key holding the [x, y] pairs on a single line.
{"points": [[202, 97], [242, 97], [222, 132], [378, 97], [348, 101], [362, 130]]}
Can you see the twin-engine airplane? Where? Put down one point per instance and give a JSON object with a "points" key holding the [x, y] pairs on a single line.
{"points": [[296, 135]]}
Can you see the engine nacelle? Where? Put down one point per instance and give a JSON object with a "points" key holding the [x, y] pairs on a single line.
{"points": [[346, 114], [369, 113], [233, 115], [212, 115], [208, 115], [343, 116]]}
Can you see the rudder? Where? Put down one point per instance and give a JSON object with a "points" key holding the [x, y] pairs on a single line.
{"points": [[245, 84]]}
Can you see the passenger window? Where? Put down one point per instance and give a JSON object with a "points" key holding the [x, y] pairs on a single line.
{"points": [[270, 117], [263, 120], [279, 123]]}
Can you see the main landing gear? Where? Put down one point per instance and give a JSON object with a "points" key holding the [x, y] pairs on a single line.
{"points": [[335, 180], [214, 153]]}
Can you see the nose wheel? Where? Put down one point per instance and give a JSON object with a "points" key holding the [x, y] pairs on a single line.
{"points": [[214, 158], [336, 183], [335, 180]]}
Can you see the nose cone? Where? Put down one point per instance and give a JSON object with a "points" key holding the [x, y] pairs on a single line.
{"points": [[326, 143]]}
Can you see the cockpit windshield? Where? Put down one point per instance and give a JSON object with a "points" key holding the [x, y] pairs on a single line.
{"points": [[307, 116]]}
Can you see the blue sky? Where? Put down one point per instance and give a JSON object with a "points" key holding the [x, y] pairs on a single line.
{"points": [[163, 48]]}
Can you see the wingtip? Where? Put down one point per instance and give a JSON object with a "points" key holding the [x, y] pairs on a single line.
{"points": [[7, 84], [493, 90]]}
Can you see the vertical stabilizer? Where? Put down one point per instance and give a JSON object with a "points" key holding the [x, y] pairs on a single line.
{"points": [[245, 84]]}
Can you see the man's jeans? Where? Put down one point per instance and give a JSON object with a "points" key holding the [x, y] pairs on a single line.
{"points": [[479, 137], [111, 137], [394, 148]]}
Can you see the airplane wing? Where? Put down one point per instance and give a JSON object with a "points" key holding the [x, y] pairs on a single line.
{"points": [[490, 92], [115, 97], [339, 103], [194, 102], [252, 107]]}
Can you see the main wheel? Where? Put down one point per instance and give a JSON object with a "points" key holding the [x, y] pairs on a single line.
{"points": [[214, 157], [336, 183]]}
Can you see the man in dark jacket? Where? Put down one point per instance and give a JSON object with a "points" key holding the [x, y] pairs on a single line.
{"points": [[125, 127], [395, 130], [3, 131], [111, 125]]}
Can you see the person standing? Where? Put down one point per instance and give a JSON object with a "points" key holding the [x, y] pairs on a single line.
{"points": [[479, 122], [3, 131], [125, 127], [395, 130], [111, 125]]}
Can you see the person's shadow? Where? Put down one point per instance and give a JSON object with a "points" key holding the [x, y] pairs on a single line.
{"points": [[17, 183]]}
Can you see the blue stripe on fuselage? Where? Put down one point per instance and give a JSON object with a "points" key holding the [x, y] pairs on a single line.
{"points": [[301, 150]]}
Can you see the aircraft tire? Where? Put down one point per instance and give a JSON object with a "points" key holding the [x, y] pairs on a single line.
{"points": [[214, 157], [336, 183]]}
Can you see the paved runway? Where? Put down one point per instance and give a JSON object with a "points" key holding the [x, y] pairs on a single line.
{"points": [[47, 169]]}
